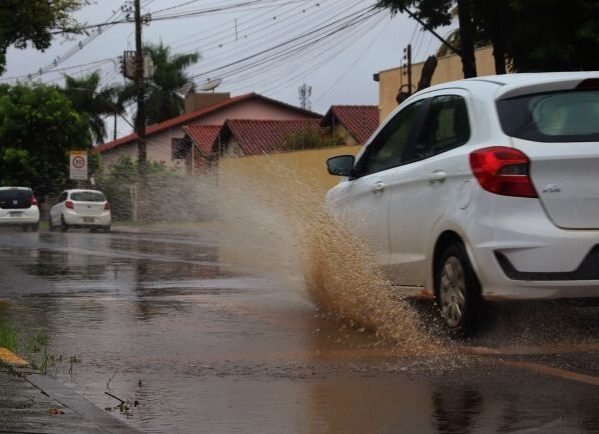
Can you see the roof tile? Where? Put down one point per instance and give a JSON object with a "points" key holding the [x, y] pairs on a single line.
{"points": [[360, 120], [266, 136], [203, 136]]}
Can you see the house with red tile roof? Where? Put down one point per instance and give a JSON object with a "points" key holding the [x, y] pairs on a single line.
{"points": [[354, 124], [163, 140], [243, 137]]}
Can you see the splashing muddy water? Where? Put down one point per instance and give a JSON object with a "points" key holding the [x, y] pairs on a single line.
{"points": [[275, 223]]}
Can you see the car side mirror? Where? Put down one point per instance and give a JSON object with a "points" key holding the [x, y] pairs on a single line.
{"points": [[341, 165]]}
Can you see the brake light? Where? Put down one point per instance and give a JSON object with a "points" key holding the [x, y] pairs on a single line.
{"points": [[69, 204], [107, 205], [502, 170], [32, 200]]}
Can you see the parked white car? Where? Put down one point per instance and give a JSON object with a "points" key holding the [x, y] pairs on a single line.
{"points": [[82, 209], [18, 207], [482, 188]]}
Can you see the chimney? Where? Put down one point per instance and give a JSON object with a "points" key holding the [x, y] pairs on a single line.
{"points": [[198, 101]]}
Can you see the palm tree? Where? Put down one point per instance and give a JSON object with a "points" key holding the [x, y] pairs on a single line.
{"points": [[86, 97], [162, 100]]}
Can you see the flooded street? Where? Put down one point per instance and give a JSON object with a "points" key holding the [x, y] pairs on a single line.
{"points": [[193, 344]]}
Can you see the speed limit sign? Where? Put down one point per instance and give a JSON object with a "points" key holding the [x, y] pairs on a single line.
{"points": [[78, 165]]}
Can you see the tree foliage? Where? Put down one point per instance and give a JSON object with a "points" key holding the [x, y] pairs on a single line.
{"points": [[162, 99], [527, 35], [38, 127], [32, 21], [310, 138], [437, 13], [86, 97], [552, 35]]}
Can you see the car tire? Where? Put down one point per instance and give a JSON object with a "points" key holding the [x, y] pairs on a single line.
{"points": [[63, 225], [51, 227], [457, 291]]}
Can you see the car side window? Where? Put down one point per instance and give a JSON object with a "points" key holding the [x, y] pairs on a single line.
{"points": [[388, 147], [446, 127]]}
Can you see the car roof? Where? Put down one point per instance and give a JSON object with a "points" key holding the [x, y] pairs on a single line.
{"points": [[82, 190], [517, 80], [15, 188]]}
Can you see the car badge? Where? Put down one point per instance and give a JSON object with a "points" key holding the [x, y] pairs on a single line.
{"points": [[552, 188]]}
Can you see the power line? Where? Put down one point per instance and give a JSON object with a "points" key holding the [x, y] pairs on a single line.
{"points": [[348, 70], [268, 51]]}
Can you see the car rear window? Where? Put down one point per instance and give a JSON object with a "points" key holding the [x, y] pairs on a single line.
{"points": [[14, 194], [15, 198], [564, 116], [87, 196]]}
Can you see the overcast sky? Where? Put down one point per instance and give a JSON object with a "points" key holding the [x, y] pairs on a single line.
{"points": [[337, 59]]}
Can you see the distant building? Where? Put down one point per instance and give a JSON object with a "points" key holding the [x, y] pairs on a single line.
{"points": [[240, 137], [354, 124], [449, 68], [164, 140]]}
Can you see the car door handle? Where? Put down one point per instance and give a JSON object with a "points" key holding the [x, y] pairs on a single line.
{"points": [[379, 187], [437, 176]]}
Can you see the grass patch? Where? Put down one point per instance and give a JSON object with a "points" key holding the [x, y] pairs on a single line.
{"points": [[9, 338], [34, 349]]}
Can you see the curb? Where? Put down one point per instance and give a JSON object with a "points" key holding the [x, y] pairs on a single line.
{"points": [[56, 390]]}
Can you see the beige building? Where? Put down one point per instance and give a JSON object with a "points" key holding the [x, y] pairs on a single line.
{"points": [[449, 68]]}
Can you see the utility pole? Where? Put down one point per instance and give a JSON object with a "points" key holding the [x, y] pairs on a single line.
{"points": [[140, 121], [408, 58], [405, 90]]}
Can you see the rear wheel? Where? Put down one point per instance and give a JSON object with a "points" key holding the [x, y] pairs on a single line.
{"points": [[51, 227], [63, 225], [457, 290]]}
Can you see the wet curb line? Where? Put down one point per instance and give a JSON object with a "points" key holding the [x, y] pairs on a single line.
{"points": [[65, 396], [71, 399]]}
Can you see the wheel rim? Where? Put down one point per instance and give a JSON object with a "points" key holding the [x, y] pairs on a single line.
{"points": [[452, 291]]}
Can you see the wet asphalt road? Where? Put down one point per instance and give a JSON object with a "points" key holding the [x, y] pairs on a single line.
{"points": [[161, 321]]}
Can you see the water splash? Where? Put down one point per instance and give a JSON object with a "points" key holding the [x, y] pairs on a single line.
{"points": [[274, 222]]}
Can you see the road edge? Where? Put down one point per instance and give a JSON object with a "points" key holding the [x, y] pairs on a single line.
{"points": [[66, 396]]}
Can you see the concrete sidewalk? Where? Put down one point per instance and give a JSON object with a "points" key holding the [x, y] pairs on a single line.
{"points": [[34, 403]]}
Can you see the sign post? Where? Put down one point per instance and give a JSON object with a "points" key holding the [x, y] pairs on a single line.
{"points": [[78, 165]]}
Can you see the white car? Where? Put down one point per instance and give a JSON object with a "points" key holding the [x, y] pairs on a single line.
{"points": [[82, 209], [486, 188], [18, 207]]}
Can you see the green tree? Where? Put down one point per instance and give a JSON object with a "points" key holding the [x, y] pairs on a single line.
{"points": [[162, 100], [32, 21], [38, 127], [552, 35], [98, 103], [437, 13]]}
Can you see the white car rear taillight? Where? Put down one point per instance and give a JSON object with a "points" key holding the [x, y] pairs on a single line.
{"points": [[502, 170]]}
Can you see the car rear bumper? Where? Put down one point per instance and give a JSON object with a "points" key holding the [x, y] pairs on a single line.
{"points": [[19, 217], [90, 221], [523, 255]]}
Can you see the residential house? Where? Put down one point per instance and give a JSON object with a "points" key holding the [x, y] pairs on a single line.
{"points": [[163, 140], [353, 124]]}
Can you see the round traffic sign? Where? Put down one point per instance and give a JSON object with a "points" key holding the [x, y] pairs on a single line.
{"points": [[78, 162]]}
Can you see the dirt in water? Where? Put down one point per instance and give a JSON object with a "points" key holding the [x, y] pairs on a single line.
{"points": [[274, 222]]}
